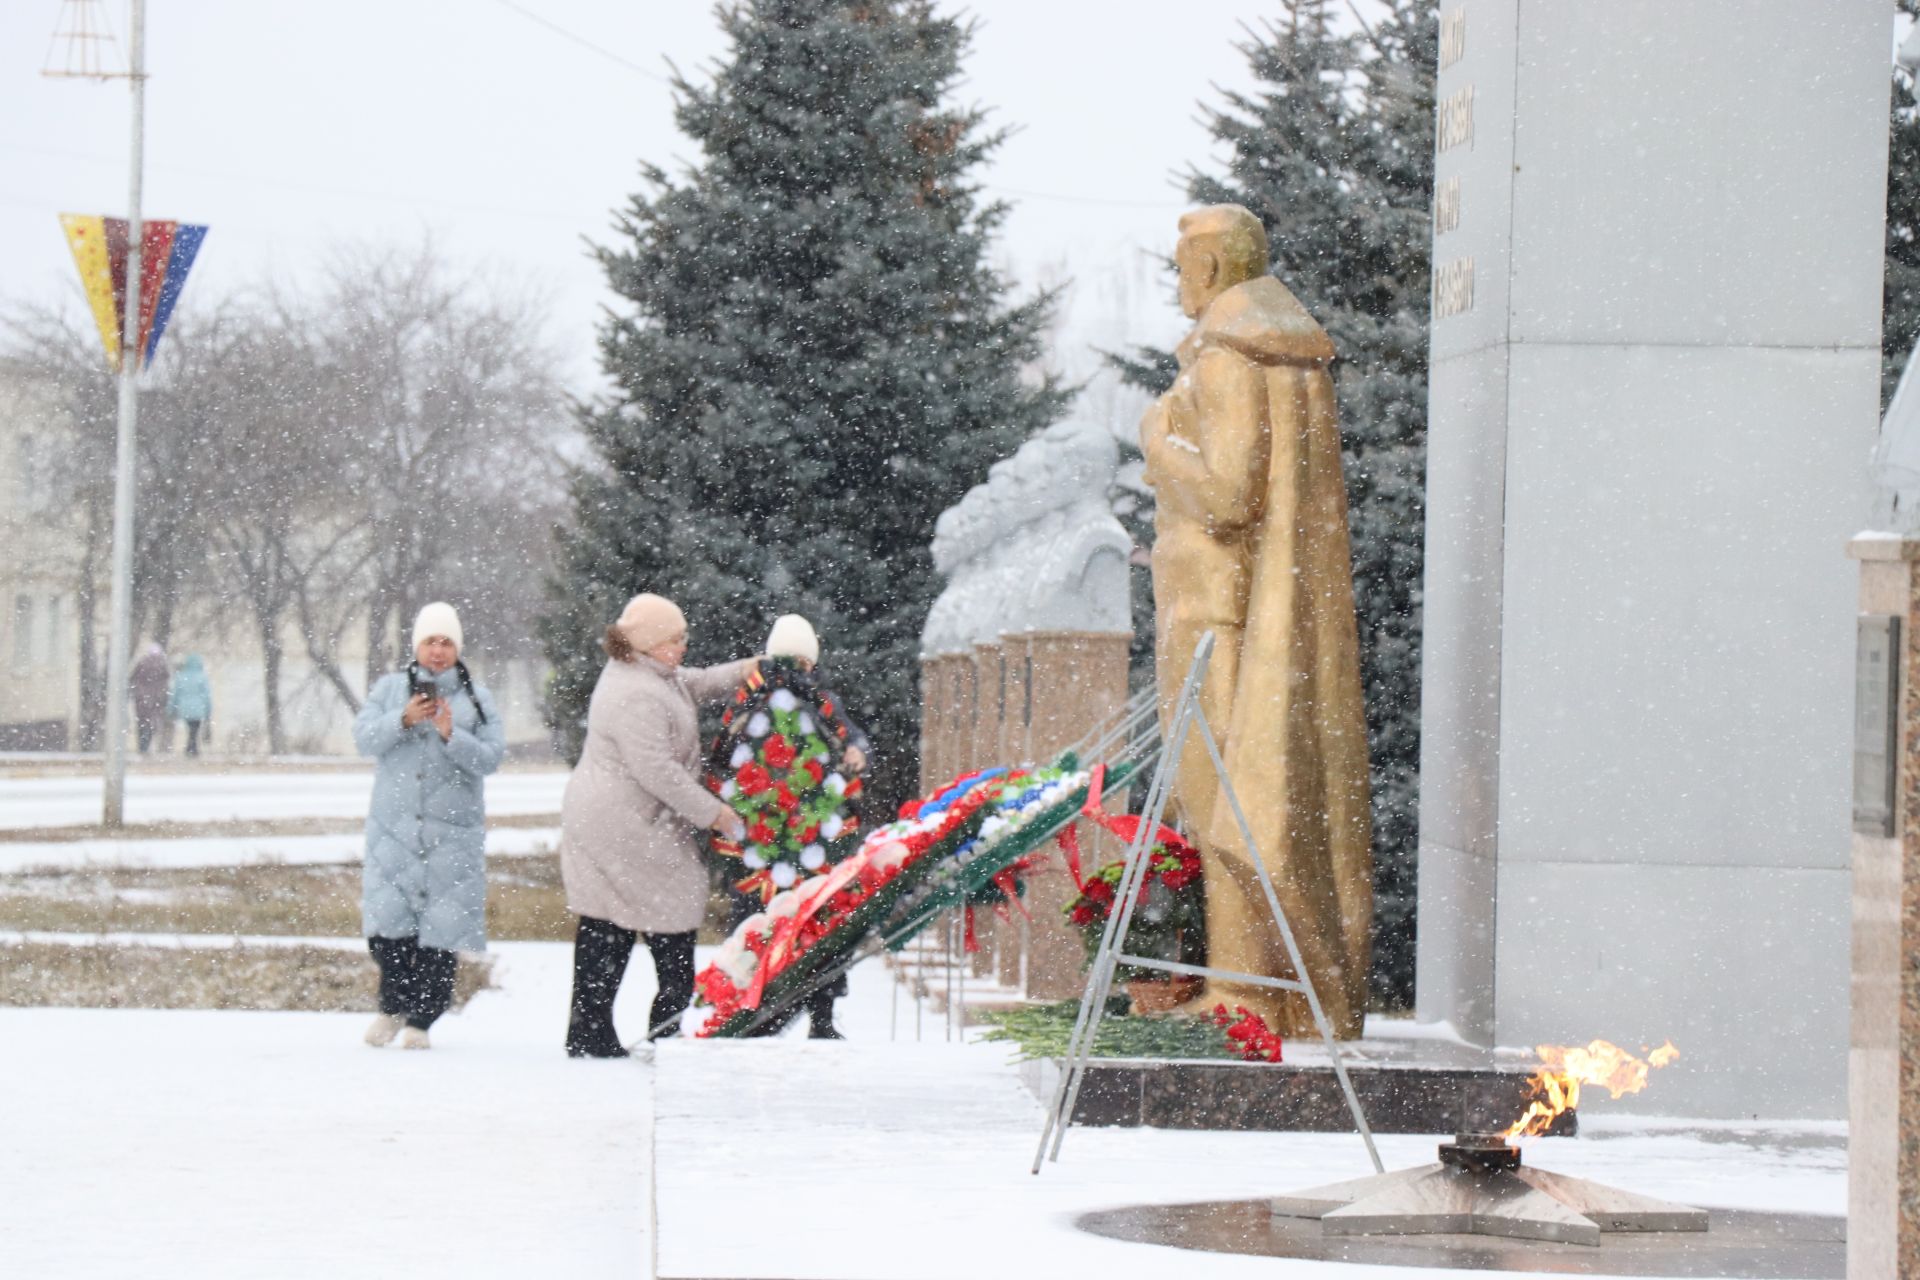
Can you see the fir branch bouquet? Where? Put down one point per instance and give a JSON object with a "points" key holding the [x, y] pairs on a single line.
{"points": [[1170, 920], [774, 766]]}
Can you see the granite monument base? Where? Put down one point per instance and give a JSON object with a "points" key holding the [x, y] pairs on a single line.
{"points": [[1756, 1246], [1404, 1086]]}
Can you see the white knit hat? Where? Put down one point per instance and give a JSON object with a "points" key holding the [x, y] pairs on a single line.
{"points": [[792, 637], [437, 619]]}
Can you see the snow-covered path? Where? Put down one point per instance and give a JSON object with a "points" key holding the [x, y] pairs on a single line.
{"points": [[210, 1144], [74, 800], [234, 851]]}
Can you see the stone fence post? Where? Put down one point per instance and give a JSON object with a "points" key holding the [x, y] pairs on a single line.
{"points": [[1883, 1066]]}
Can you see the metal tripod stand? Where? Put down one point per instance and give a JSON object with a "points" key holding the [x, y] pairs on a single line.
{"points": [[1187, 714]]}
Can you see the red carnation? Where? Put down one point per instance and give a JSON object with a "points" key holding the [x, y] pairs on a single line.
{"points": [[785, 798], [816, 770], [1083, 915], [910, 810], [753, 779], [761, 833], [807, 835], [780, 754]]}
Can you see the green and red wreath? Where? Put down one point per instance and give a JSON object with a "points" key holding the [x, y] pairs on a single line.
{"points": [[776, 763]]}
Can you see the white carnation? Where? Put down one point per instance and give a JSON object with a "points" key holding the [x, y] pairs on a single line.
{"points": [[728, 790], [806, 721], [813, 857], [758, 726], [783, 700], [753, 859], [836, 784], [741, 755], [832, 827], [783, 875]]}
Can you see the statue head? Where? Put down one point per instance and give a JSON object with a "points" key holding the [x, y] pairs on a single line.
{"points": [[1220, 246]]}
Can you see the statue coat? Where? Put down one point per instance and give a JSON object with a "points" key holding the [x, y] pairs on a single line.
{"points": [[1257, 504]]}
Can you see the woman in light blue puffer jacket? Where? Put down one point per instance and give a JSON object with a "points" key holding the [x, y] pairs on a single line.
{"points": [[435, 735]]}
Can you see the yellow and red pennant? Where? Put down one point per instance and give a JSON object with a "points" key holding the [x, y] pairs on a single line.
{"points": [[167, 251]]}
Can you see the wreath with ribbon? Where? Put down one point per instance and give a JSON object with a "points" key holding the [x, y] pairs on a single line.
{"points": [[774, 764]]}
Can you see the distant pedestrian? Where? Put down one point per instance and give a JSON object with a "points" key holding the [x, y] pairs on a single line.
{"points": [[630, 823], [191, 701], [435, 735], [149, 680]]}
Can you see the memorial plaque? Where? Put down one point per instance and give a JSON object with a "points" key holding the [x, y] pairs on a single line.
{"points": [[1876, 694]]}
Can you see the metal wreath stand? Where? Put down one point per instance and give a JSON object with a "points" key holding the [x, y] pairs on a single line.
{"points": [[1187, 713]]}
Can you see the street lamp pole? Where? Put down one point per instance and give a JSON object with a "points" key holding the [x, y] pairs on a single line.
{"points": [[119, 642]]}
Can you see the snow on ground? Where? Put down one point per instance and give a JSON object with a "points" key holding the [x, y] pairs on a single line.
{"points": [[928, 1147], [234, 851], [211, 1144], [74, 800]]}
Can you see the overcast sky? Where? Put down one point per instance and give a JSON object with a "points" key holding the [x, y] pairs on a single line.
{"points": [[286, 127]]}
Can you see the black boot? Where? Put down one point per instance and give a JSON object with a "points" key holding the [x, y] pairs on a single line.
{"points": [[600, 953], [820, 1011]]}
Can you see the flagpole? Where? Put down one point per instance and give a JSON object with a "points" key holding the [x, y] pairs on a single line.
{"points": [[119, 642]]}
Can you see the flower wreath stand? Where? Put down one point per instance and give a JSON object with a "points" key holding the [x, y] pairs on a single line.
{"points": [[1112, 953]]}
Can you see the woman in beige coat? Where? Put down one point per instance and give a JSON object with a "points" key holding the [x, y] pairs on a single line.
{"points": [[631, 823]]}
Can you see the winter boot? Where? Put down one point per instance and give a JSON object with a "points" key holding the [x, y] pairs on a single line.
{"points": [[384, 1028], [414, 1038]]}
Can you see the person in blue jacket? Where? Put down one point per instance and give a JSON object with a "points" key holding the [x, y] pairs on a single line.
{"points": [[434, 735], [190, 701]]}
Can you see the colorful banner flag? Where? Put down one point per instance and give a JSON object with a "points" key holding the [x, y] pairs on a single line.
{"points": [[167, 251]]}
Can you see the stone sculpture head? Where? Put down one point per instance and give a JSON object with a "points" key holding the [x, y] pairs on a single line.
{"points": [[1220, 246]]}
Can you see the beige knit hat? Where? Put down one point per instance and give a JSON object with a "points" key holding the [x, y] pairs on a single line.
{"points": [[793, 637], [650, 620], [437, 619]]}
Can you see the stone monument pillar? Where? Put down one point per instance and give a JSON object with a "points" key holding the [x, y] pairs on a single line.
{"points": [[1883, 1075], [1078, 679], [1653, 387], [990, 705], [1036, 620]]}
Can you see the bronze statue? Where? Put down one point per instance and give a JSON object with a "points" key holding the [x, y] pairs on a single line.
{"points": [[1250, 542]]}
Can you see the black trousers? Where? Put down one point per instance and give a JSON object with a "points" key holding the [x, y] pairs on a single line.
{"points": [[193, 737], [416, 982], [601, 950]]}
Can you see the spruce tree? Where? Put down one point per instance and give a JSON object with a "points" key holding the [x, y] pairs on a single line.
{"points": [[814, 360], [1900, 307], [1333, 151]]}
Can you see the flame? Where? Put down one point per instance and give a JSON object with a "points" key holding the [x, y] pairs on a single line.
{"points": [[1556, 1086]]}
